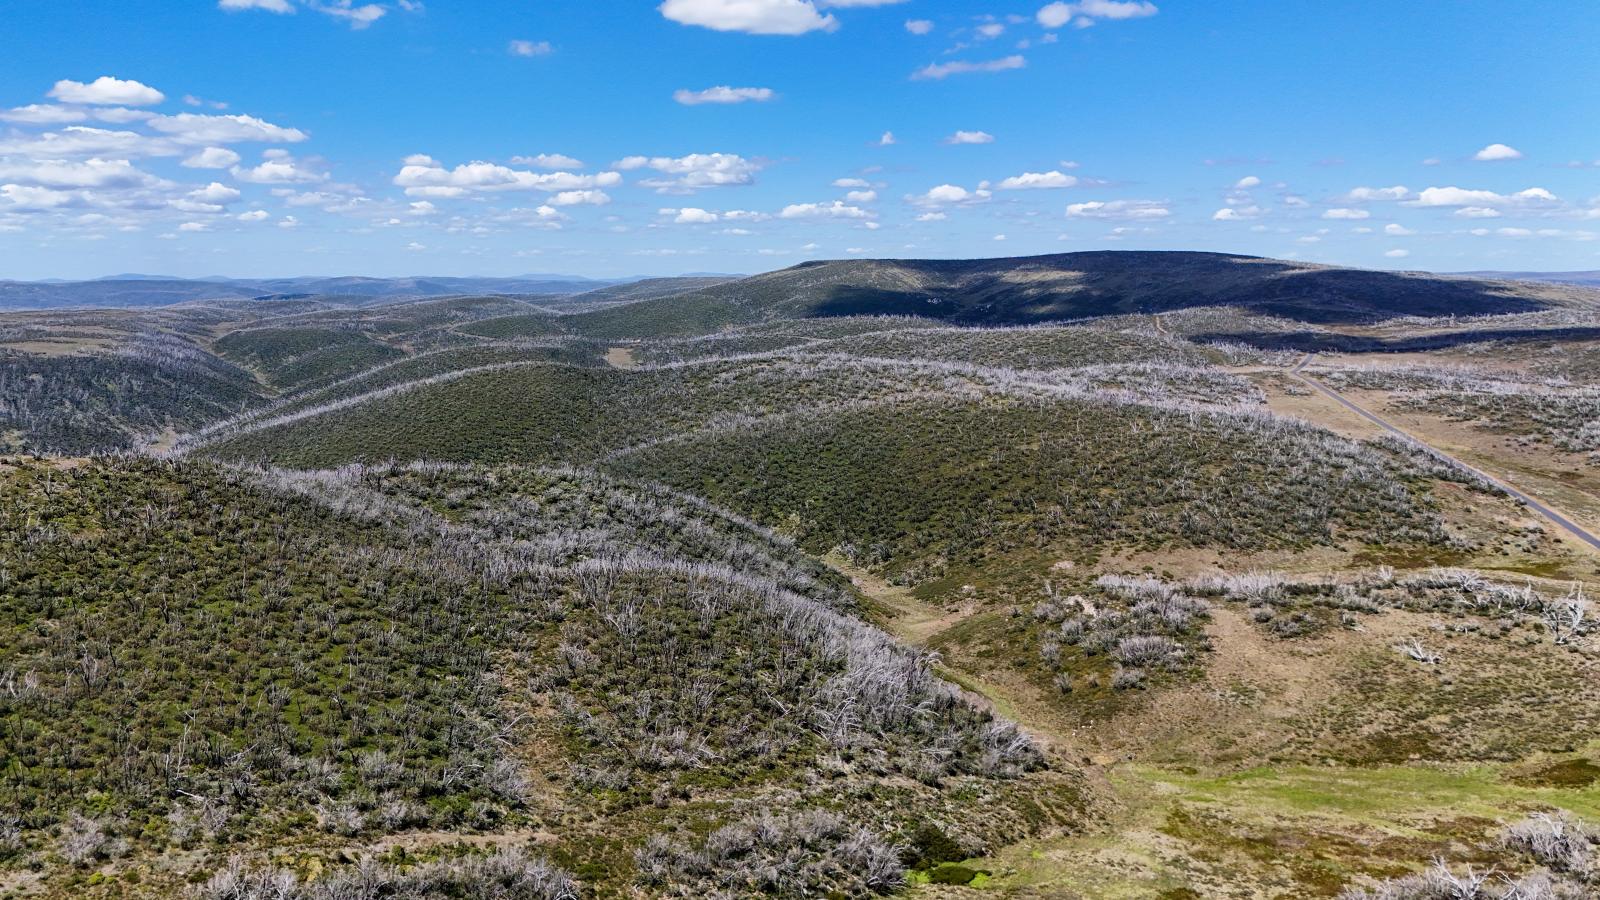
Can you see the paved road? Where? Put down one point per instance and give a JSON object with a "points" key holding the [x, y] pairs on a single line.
{"points": [[1572, 527]]}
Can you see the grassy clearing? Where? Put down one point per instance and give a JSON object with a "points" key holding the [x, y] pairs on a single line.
{"points": [[1274, 832]]}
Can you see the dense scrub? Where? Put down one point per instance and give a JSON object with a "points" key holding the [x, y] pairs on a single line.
{"points": [[295, 357], [419, 368], [530, 412], [191, 658], [77, 404], [210, 658], [980, 479], [519, 326], [1042, 347]]}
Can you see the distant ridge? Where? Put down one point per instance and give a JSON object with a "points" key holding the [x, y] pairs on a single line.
{"points": [[146, 290], [1023, 290], [1587, 279]]}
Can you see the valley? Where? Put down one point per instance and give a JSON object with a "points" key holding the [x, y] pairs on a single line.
{"points": [[1077, 576]]}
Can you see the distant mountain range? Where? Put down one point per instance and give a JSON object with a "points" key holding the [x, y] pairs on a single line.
{"points": [[975, 292], [1588, 279], [149, 290]]}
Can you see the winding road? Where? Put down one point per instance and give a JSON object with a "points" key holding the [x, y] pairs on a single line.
{"points": [[1582, 534]]}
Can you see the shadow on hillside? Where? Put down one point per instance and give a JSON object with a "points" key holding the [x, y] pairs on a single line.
{"points": [[1107, 283]]}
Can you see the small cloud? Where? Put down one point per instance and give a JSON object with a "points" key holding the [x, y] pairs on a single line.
{"points": [[212, 158], [1247, 182], [1394, 230], [693, 216], [940, 71], [106, 91], [919, 26], [280, 7], [1398, 254], [887, 140], [1370, 194], [950, 193], [1346, 213], [838, 209], [1497, 153], [724, 95], [970, 137], [530, 48], [1038, 181], [1237, 213], [1119, 209], [1084, 13], [539, 161], [790, 17]]}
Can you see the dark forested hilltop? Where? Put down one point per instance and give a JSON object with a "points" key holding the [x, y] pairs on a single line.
{"points": [[1027, 290]]}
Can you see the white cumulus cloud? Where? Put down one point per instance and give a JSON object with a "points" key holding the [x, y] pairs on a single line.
{"points": [[1038, 181], [694, 216], [278, 167], [1083, 14], [194, 128], [695, 171], [1497, 153], [950, 193], [548, 161], [750, 16], [106, 91], [423, 176], [1455, 196], [212, 158], [838, 209], [281, 7], [1370, 194], [42, 114]]}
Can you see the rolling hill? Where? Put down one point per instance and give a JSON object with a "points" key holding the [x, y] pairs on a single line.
{"points": [[1074, 286]]}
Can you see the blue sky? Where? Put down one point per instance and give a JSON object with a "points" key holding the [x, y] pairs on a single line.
{"points": [[497, 137]]}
